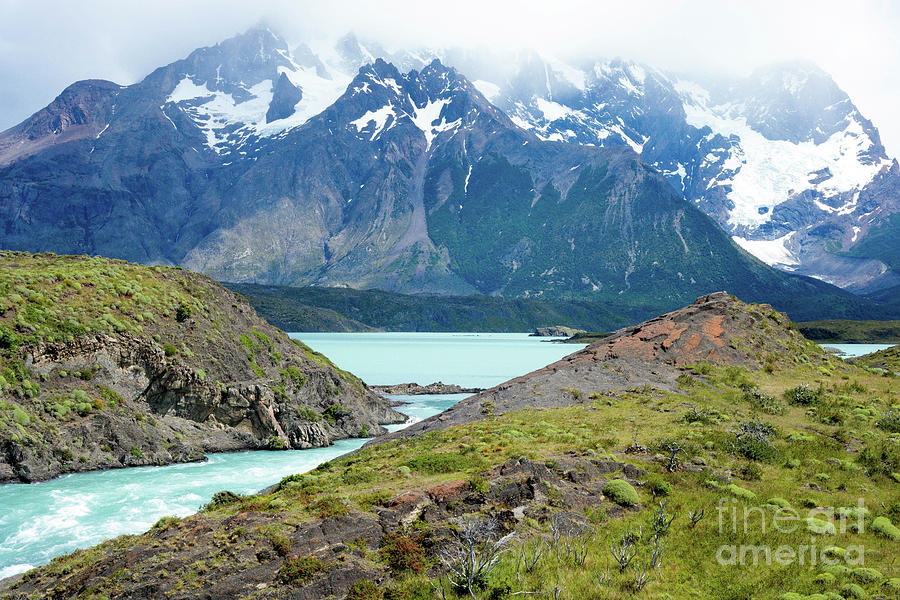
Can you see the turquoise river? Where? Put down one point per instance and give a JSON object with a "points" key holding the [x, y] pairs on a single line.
{"points": [[43, 520]]}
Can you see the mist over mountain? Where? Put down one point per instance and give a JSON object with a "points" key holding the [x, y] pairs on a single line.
{"points": [[454, 172]]}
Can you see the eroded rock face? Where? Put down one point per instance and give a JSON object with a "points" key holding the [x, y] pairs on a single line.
{"points": [[172, 413], [167, 388]]}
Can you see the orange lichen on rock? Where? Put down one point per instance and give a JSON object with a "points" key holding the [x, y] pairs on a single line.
{"points": [[713, 330]]}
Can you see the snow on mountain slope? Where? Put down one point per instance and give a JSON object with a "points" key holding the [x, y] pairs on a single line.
{"points": [[230, 113], [781, 152], [762, 173], [771, 252]]}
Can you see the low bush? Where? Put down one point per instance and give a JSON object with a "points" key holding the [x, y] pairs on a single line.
{"points": [[439, 462], [329, 507], [753, 441], [763, 402], [222, 498], [890, 421], [883, 527], [365, 590], [301, 568], [802, 395], [658, 486], [334, 412], [403, 552], [621, 492]]}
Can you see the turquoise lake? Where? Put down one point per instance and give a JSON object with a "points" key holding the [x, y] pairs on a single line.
{"points": [[43, 520]]}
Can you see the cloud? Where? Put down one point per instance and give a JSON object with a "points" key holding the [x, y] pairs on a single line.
{"points": [[46, 45]]}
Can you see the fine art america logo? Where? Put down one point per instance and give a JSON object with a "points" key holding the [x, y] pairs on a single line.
{"points": [[758, 521]]}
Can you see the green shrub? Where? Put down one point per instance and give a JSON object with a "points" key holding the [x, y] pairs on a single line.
{"points": [[281, 544], [478, 484], [111, 397], [165, 523], [308, 414], [301, 568], [739, 492], [183, 312], [880, 458], [763, 402], [751, 472], [289, 479], [779, 502], [883, 527], [136, 452], [753, 441], [819, 526], [169, 349], [403, 552], [334, 412], [867, 575], [890, 421], [658, 486], [365, 590], [31, 389], [222, 498], [356, 474], [621, 492], [21, 417], [329, 507], [294, 375], [852, 512], [802, 395], [367, 501], [596, 514], [851, 590]]}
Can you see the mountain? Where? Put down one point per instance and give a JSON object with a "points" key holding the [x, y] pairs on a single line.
{"points": [[783, 160], [107, 364], [254, 163]]}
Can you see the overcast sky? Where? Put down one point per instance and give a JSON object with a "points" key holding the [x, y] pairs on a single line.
{"points": [[44, 46]]}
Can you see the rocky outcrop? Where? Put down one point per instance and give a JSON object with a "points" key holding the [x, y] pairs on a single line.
{"points": [[110, 399], [556, 331], [717, 328], [415, 389]]}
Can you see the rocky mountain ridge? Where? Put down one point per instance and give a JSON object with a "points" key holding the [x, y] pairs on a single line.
{"points": [[253, 162]]}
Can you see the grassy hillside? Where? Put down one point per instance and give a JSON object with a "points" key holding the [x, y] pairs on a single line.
{"points": [[345, 309], [661, 481], [301, 309], [105, 363], [851, 332], [886, 360]]}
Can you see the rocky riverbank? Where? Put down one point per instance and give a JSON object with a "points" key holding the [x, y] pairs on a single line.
{"points": [[106, 364]]}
